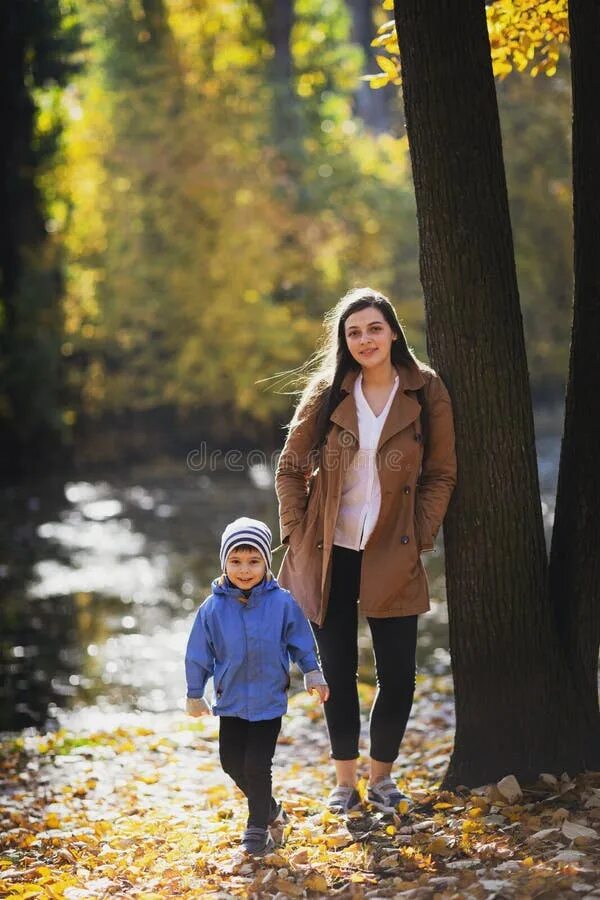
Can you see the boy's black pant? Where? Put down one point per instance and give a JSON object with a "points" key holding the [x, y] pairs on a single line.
{"points": [[394, 646], [246, 750]]}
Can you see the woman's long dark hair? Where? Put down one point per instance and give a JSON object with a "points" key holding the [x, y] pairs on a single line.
{"points": [[332, 361]]}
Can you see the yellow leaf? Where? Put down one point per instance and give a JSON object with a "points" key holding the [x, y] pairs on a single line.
{"points": [[387, 26], [25, 890], [403, 807], [316, 882], [328, 818], [376, 81], [387, 65], [475, 813], [336, 840], [501, 68], [439, 846], [388, 4], [380, 41], [442, 806], [390, 830]]}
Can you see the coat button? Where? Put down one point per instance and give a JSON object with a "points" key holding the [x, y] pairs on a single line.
{"points": [[404, 539], [320, 545], [407, 489]]}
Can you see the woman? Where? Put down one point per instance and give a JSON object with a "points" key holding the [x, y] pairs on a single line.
{"points": [[363, 483]]}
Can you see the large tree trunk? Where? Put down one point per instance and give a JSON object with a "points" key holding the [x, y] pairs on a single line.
{"points": [[575, 556], [509, 674]]}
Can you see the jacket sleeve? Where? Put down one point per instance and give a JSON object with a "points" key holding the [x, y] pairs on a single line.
{"points": [[294, 468], [300, 639], [438, 470], [199, 656]]}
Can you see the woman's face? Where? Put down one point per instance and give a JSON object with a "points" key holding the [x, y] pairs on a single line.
{"points": [[369, 337]]}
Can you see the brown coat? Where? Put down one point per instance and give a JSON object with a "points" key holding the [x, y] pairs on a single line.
{"points": [[413, 502]]}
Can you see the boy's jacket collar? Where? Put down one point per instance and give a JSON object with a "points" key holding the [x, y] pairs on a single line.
{"points": [[222, 586]]}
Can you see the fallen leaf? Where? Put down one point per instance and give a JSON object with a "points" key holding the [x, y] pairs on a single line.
{"points": [[510, 788], [543, 835], [317, 883], [572, 831]]}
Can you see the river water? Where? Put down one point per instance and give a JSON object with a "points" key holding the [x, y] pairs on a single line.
{"points": [[101, 578]]}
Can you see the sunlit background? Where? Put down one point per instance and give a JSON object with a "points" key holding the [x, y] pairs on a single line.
{"points": [[207, 185]]}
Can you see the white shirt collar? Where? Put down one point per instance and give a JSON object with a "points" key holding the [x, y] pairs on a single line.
{"points": [[361, 400]]}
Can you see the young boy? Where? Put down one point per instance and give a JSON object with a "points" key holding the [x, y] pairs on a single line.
{"points": [[244, 635]]}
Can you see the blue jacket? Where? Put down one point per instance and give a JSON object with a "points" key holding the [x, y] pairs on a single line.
{"points": [[247, 647]]}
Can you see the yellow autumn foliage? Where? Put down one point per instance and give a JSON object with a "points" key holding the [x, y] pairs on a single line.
{"points": [[524, 37]]}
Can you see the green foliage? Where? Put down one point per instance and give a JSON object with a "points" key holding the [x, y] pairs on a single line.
{"points": [[201, 254], [206, 217]]}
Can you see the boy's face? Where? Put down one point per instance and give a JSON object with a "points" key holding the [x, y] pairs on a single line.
{"points": [[245, 568]]}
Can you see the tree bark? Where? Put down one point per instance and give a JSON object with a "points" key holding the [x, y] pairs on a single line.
{"points": [[575, 556], [509, 672]]}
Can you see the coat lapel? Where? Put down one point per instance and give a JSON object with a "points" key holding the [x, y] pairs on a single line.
{"points": [[345, 415], [403, 411], [405, 407]]}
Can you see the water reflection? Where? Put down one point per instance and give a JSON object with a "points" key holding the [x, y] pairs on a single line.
{"points": [[100, 582]]}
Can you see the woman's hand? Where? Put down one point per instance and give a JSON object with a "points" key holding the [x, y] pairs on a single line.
{"points": [[322, 690], [197, 706]]}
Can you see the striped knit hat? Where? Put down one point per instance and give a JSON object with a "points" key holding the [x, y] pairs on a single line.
{"points": [[247, 531]]}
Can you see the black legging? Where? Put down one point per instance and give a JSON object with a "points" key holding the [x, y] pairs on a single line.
{"points": [[246, 751], [394, 647]]}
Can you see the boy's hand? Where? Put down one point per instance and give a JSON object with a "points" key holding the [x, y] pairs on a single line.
{"points": [[322, 690], [197, 706], [314, 682]]}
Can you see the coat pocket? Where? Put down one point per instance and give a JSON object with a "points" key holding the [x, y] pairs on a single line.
{"points": [[423, 534], [220, 679]]}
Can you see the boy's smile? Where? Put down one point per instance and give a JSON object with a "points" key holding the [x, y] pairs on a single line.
{"points": [[245, 568]]}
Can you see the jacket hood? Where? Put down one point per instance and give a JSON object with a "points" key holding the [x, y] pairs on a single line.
{"points": [[221, 586]]}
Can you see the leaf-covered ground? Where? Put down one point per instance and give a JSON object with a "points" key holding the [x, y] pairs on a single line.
{"points": [[146, 812]]}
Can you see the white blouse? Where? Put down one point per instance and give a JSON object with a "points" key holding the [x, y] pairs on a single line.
{"points": [[361, 491]]}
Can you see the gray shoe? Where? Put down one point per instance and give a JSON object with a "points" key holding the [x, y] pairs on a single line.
{"points": [[257, 841], [385, 795], [343, 800], [278, 815]]}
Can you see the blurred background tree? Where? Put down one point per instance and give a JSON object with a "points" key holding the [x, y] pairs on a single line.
{"points": [[202, 189], [37, 59]]}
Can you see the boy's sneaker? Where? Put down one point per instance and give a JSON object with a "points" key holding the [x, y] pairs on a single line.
{"points": [[343, 800], [384, 795], [257, 841], [278, 814]]}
